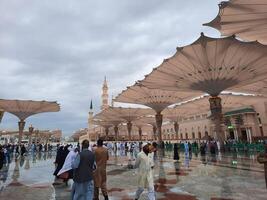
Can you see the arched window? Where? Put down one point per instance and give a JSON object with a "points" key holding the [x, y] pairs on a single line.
{"points": [[193, 135]]}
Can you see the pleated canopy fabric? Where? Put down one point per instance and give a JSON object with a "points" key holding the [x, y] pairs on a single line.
{"points": [[175, 115], [140, 123], [229, 101], [146, 120], [25, 108], [247, 19], [129, 114], [156, 99], [104, 124], [106, 116], [211, 65], [259, 88]]}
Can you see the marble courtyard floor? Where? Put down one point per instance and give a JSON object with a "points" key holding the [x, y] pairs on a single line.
{"points": [[193, 178]]}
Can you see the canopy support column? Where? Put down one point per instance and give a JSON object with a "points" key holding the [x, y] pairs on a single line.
{"points": [[129, 128], [140, 133], [159, 119], [116, 130], [155, 132], [30, 136], [21, 124], [216, 112], [176, 129]]}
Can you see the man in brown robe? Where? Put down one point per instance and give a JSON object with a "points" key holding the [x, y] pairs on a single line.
{"points": [[100, 174]]}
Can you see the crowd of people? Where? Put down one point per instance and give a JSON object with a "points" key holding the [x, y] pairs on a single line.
{"points": [[87, 164], [8, 150], [87, 167]]}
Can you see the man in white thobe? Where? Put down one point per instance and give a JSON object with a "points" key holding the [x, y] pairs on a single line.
{"points": [[145, 174]]}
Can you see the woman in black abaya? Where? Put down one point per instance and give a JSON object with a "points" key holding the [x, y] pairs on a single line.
{"points": [[60, 159], [176, 152]]}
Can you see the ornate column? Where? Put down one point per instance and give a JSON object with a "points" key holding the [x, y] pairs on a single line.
{"points": [[129, 128], [159, 119], [176, 129], [116, 130], [140, 133], [216, 115], [21, 124]]}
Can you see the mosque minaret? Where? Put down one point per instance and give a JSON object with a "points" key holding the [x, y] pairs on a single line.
{"points": [[91, 115], [104, 95]]}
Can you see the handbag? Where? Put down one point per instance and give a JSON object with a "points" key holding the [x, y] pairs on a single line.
{"points": [[64, 175]]}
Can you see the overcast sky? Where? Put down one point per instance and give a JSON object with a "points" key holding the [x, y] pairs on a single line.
{"points": [[60, 50]]}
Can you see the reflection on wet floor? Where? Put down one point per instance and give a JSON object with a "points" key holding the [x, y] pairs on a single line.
{"points": [[193, 177]]}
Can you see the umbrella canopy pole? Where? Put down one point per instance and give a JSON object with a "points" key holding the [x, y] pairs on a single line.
{"points": [[30, 137], [140, 133], [116, 130], [159, 118], [129, 128], [176, 129], [155, 132], [106, 131], [21, 124], [216, 112]]}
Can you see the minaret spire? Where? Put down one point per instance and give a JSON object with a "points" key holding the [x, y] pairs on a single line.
{"points": [[91, 105], [91, 115], [105, 94]]}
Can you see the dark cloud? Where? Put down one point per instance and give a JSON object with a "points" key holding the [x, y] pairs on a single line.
{"points": [[61, 50]]}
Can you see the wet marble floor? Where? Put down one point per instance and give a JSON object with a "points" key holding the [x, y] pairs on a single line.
{"points": [[227, 176]]}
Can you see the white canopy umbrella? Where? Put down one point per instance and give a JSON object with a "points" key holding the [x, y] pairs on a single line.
{"points": [[26, 108], [247, 19], [211, 65]]}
